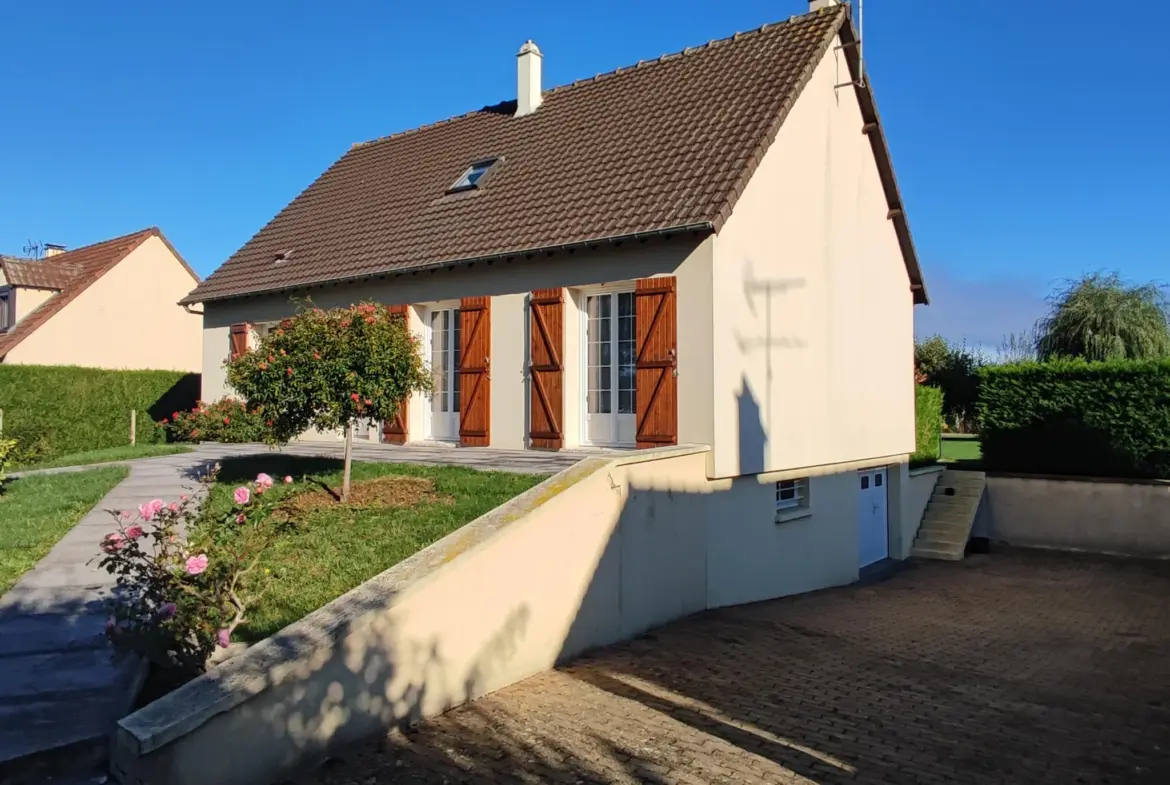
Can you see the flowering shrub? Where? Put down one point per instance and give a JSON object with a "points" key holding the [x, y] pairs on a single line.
{"points": [[176, 600], [227, 420], [329, 369]]}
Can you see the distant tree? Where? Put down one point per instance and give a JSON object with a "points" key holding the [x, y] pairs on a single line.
{"points": [[1018, 347], [1099, 317], [329, 370], [952, 368]]}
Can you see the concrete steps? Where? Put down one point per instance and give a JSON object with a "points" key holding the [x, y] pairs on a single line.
{"points": [[949, 516]]}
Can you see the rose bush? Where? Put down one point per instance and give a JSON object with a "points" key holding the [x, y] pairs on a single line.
{"points": [[227, 420], [179, 598]]}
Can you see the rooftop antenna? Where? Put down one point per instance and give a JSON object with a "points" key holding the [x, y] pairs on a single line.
{"points": [[33, 250]]}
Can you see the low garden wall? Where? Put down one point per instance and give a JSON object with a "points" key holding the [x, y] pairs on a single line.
{"points": [[1130, 517]]}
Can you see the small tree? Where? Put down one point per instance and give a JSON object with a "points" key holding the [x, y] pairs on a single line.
{"points": [[330, 369]]}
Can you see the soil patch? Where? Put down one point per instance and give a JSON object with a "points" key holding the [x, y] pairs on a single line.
{"points": [[391, 490]]}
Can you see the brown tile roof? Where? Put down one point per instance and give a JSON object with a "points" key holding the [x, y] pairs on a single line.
{"points": [[73, 272], [662, 146]]}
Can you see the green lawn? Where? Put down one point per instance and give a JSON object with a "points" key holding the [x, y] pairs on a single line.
{"points": [[126, 453], [335, 548], [35, 512], [961, 449]]}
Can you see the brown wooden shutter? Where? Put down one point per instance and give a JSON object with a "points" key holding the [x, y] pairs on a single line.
{"points": [[546, 372], [394, 430], [239, 339], [475, 340], [655, 380]]}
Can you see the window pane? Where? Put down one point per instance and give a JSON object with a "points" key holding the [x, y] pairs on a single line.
{"points": [[606, 350], [626, 402], [626, 329], [594, 400], [592, 308], [603, 328], [606, 304], [456, 318], [594, 354], [626, 304], [606, 402], [865, 482], [877, 481]]}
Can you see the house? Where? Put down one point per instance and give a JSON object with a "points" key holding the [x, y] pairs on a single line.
{"points": [[705, 248], [113, 304]]}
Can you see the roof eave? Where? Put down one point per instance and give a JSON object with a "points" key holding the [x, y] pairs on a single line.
{"points": [[703, 227], [877, 141]]}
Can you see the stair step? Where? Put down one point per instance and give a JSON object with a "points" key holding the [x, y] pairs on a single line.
{"points": [[965, 508], [945, 529], [958, 493], [931, 553], [942, 541], [947, 518]]}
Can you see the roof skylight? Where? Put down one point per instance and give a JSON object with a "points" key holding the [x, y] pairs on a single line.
{"points": [[470, 178]]}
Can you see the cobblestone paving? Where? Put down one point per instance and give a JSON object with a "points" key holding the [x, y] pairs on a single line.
{"points": [[1009, 668]]}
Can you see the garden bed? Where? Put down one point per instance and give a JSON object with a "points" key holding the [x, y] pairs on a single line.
{"points": [[395, 510], [36, 512]]}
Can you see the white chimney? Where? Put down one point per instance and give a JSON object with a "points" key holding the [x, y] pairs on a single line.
{"points": [[52, 249], [817, 5], [528, 79]]}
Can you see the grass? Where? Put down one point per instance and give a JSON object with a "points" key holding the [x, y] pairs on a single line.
{"points": [[35, 512], [961, 448], [108, 454], [335, 547]]}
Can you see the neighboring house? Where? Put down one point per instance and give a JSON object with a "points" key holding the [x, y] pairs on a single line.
{"points": [[113, 304], [706, 248]]}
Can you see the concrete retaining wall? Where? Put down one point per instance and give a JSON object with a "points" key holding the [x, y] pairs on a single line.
{"points": [[595, 555], [1131, 518], [921, 486]]}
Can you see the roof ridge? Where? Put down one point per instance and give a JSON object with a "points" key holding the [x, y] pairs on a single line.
{"points": [[666, 57]]}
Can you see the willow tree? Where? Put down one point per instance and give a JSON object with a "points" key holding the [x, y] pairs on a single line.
{"points": [[1099, 317]]}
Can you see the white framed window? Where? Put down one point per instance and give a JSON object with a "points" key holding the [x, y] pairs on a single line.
{"points": [[792, 494]]}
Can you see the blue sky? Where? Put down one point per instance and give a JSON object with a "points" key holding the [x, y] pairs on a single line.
{"points": [[1029, 137]]}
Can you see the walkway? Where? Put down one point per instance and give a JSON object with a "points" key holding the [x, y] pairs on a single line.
{"points": [[57, 684], [1009, 668]]}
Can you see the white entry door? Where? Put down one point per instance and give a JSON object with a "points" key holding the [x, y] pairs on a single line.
{"points": [[873, 522], [445, 367], [610, 397]]}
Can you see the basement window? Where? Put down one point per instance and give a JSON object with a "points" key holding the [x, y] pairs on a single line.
{"points": [[470, 178], [792, 494]]}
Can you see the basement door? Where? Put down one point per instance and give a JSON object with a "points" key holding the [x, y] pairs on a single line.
{"points": [[872, 517], [445, 368], [610, 402]]}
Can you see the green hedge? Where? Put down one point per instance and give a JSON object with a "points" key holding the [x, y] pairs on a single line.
{"points": [[1102, 419], [928, 414], [57, 410]]}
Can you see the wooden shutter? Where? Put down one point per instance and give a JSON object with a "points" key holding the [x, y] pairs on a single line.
{"points": [[239, 339], [475, 340], [656, 377], [394, 430], [546, 371]]}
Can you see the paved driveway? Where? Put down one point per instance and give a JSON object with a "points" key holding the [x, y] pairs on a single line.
{"points": [[1011, 668]]}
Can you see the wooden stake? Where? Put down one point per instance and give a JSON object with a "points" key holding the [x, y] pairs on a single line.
{"points": [[348, 458], [133, 426]]}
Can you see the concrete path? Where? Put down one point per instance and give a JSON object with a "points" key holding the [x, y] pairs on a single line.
{"points": [[58, 686]]}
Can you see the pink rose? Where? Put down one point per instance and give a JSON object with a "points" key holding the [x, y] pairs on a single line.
{"points": [[167, 610], [183, 497], [242, 495], [240, 518], [113, 543], [125, 515], [197, 564], [150, 509], [134, 532], [287, 479], [223, 638], [263, 480], [173, 506]]}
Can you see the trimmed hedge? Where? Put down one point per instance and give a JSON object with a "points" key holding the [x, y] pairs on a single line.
{"points": [[1072, 417], [928, 415], [57, 410]]}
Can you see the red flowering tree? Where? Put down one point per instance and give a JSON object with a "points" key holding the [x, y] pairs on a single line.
{"points": [[329, 370]]}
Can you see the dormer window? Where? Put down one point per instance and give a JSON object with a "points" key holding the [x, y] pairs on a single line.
{"points": [[470, 178]]}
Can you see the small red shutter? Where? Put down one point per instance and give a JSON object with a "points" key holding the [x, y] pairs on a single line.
{"points": [[394, 429], [655, 380], [475, 340], [239, 339], [546, 372]]}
